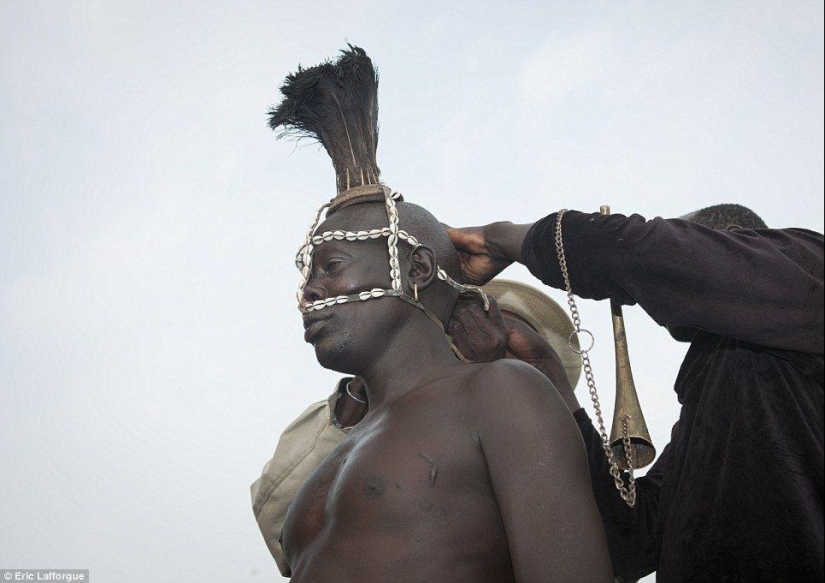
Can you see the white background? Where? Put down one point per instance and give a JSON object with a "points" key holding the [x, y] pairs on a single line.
{"points": [[150, 349]]}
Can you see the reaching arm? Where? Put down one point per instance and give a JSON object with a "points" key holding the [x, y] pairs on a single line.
{"points": [[761, 286], [540, 478]]}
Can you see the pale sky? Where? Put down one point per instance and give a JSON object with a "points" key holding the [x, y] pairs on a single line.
{"points": [[150, 349]]}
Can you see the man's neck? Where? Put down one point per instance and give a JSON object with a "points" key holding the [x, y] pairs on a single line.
{"points": [[414, 358]]}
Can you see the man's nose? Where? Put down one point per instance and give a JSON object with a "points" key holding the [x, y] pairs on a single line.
{"points": [[314, 291]]}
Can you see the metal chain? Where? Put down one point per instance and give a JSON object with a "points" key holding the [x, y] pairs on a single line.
{"points": [[628, 493]]}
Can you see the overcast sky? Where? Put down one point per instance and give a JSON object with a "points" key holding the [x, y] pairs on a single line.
{"points": [[150, 349]]}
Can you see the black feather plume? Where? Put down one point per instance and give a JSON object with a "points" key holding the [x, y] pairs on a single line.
{"points": [[335, 103]]}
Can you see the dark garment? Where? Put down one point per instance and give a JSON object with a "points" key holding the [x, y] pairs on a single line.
{"points": [[737, 495]]}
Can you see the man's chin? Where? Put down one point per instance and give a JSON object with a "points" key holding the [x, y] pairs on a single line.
{"points": [[333, 354]]}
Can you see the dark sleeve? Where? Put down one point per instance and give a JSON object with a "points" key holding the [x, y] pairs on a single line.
{"points": [[631, 532], [761, 286]]}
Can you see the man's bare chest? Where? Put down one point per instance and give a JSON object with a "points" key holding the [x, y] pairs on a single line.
{"points": [[388, 475]]}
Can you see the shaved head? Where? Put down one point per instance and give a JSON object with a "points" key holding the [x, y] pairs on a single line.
{"points": [[726, 216]]}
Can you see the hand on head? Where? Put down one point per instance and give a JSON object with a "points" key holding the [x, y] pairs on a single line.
{"points": [[487, 251], [479, 262], [485, 337], [480, 336]]}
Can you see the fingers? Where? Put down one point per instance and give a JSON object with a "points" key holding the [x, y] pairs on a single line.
{"points": [[469, 239], [458, 238], [477, 335], [470, 313], [477, 265], [496, 317]]}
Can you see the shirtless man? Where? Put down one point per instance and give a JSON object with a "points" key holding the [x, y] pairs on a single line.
{"points": [[459, 472]]}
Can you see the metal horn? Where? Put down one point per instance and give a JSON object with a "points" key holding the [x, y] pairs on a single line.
{"points": [[628, 420]]}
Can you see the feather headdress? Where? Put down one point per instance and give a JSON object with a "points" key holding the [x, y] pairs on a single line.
{"points": [[336, 103]]}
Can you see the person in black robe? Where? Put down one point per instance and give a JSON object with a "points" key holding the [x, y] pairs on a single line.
{"points": [[737, 495]]}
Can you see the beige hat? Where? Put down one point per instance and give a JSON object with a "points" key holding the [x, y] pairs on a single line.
{"points": [[544, 315]]}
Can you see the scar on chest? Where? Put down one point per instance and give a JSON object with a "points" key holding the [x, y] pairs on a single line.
{"points": [[433, 469], [374, 487]]}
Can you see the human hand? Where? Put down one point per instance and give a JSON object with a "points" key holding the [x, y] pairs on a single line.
{"points": [[487, 251], [480, 336]]}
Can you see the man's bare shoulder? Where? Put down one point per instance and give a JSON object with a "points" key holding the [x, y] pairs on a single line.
{"points": [[511, 387], [508, 375]]}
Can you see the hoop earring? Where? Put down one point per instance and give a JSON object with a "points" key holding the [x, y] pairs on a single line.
{"points": [[415, 292]]}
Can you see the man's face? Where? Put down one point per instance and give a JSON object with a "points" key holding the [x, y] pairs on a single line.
{"points": [[347, 337]]}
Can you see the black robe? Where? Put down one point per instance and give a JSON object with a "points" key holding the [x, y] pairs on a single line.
{"points": [[737, 495]]}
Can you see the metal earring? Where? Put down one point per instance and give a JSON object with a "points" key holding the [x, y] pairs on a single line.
{"points": [[415, 292]]}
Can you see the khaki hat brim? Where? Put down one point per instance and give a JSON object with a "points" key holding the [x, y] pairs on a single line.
{"points": [[545, 316]]}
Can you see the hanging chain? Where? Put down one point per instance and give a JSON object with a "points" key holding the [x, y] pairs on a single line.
{"points": [[628, 493]]}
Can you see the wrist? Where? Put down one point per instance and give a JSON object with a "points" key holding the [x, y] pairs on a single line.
{"points": [[505, 240]]}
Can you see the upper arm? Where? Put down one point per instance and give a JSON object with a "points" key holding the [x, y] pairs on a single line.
{"points": [[761, 286], [540, 478]]}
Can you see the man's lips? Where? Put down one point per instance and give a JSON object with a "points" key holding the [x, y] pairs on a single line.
{"points": [[313, 322]]}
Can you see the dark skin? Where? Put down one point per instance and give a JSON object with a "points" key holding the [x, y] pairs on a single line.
{"points": [[483, 337], [487, 251], [480, 337], [468, 473]]}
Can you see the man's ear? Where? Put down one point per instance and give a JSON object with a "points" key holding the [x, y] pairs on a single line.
{"points": [[732, 227], [423, 269]]}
